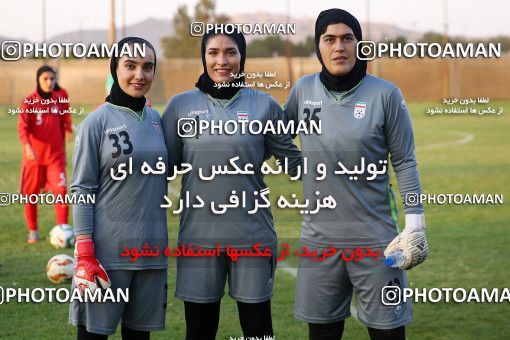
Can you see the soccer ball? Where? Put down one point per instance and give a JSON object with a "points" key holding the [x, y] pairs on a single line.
{"points": [[62, 236], [60, 268]]}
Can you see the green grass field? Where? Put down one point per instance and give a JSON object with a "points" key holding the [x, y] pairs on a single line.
{"points": [[469, 245]]}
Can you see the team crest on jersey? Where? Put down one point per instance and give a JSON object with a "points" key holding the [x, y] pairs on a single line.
{"points": [[242, 115], [359, 109], [54, 110], [155, 125]]}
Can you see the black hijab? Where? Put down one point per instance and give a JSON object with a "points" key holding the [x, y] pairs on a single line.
{"points": [[117, 96], [351, 79], [206, 84], [41, 70]]}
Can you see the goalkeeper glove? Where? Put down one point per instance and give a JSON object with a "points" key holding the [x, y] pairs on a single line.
{"points": [[89, 273], [411, 241]]}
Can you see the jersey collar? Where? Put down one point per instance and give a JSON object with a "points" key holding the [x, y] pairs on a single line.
{"points": [[214, 100], [140, 117], [334, 98]]}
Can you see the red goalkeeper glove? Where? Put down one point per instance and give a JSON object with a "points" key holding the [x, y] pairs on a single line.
{"points": [[89, 273]]}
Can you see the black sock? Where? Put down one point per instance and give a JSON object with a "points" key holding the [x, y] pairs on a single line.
{"points": [[202, 320], [83, 334], [326, 331], [255, 319], [131, 334], [387, 334]]}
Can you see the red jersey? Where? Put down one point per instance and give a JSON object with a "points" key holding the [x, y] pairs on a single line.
{"points": [[42, 123]]}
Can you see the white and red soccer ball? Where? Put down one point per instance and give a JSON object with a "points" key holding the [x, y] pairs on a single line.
{"points": [[60, 268], [62, 236]]}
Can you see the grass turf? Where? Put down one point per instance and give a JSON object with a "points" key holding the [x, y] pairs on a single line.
{"points": [[468, 244]]}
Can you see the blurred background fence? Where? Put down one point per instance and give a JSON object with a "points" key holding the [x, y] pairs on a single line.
{"points": [[419, 79]]}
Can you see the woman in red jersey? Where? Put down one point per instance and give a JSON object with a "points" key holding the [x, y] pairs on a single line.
{"points": [[44, 125]]}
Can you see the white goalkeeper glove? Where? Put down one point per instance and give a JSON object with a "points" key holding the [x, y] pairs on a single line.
{"points": [[411, 241]]}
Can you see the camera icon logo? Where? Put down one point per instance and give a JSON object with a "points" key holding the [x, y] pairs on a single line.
{"points": [[197, 29], [5, 199], [365, 50], [11, 50], [411, 199], [390, 295], [187, 127]]}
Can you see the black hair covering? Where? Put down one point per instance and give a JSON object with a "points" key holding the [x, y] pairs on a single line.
{"points": [[41, 70], [117, 96], [351, 79], [206, 84]]}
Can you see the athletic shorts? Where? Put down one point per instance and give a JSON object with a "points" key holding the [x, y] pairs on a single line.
{"points": [[145, 311], [50, 177], [324, 291], [202, 279]]}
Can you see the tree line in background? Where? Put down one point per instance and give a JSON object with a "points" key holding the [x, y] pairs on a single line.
{"points": [[183, 45]]}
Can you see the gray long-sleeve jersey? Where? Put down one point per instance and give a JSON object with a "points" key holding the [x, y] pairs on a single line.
{"points": [[126, 212], [370, 121], [236, 227]]}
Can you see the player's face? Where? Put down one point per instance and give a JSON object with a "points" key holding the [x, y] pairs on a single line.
{"points": [[338, 49], [222, 58], [47, 81], [135, 75]]}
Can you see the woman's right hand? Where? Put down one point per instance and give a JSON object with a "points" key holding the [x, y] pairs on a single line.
{"points": [[89, 273], [29, 152]]}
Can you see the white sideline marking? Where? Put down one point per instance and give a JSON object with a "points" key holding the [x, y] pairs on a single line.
{"points": [[466, 138]]}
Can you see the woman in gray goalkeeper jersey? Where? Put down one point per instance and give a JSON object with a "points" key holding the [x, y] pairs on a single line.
{"points": [[364, 121], [201, 280], [112, 146]]}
